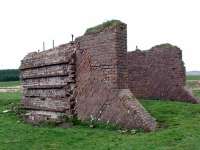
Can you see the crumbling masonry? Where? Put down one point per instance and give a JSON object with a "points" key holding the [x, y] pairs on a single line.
{"points": [[159, 73], [94, 78]]}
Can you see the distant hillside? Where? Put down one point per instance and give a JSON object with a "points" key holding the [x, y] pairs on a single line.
{"points": [[193, 73], [9, 75]]}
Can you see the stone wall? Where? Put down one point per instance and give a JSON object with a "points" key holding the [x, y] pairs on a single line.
{"points": [[102, 92], [48, 81], [158, 73]]}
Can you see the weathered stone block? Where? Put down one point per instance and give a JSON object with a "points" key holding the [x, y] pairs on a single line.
{"points": [[37, 117]]}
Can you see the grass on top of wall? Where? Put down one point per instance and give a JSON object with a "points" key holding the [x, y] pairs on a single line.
{"points": [[101, 27]]}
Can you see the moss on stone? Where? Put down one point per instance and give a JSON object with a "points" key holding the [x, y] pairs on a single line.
{"points": [[165, 45], [101, 27]]}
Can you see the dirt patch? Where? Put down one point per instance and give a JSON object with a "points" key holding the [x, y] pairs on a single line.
{"points": [[193, 84], [9, 89]]}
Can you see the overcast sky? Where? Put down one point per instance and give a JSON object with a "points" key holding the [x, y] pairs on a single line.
{"points": [[25, 24]]}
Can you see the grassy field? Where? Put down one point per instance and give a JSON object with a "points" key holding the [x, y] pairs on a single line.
{"points": [[193, 77], [179, 130], [193, 82], [9, 84]]}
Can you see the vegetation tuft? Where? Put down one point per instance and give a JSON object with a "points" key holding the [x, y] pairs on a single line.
{"points": [[101, 27], [165, 45]]}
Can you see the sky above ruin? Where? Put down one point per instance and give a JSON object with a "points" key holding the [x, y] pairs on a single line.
{"points": [[25, 24]]}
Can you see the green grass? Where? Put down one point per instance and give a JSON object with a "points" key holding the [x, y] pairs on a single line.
{"points": [[9, 83], [102, 26], [179, 129], [194, 77]]}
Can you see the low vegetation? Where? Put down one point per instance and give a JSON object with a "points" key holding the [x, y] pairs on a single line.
{"points": [[178, 130], [102, 26], [9, 84], [193, 77], [193, 83]]}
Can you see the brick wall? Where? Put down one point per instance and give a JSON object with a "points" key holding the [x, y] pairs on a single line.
{"points": [[158, 73], [101, 79], [108, 53], [91, 78]]}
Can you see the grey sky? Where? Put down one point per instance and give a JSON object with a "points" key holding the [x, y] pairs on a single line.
{"points": [[25, 24]]}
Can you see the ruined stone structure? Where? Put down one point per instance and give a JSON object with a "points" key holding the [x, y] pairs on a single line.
{"points": [[48, 80], [158, 73], [102, 75], [91, 77]]}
